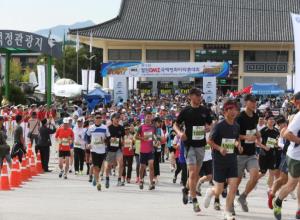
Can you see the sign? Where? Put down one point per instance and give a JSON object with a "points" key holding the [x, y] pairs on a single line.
{"points": [[88, 79], [165, 88], [210, 89], [296, 25], [145, 87], [184, 69], [185, 87], [120, 89], [30, 41], [41, 72]]}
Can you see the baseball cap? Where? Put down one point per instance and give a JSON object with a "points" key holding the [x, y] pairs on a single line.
{"points": [[66, 121], [249, 97], [196, 91], [115, 115]]}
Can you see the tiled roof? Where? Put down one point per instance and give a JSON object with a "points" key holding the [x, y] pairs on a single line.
{"points": [[199, 20]]}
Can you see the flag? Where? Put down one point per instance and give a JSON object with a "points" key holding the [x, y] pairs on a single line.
{"points": [[77, 43], [296, 25], [91, 42]]}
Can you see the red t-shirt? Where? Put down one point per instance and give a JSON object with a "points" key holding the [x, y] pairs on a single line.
{"points": [[65, 137], [128, 143], [41, 115]]}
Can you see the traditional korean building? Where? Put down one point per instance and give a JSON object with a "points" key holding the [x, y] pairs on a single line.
{"points": [[255, 36]]}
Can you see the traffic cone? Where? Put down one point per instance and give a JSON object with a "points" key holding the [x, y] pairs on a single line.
{"points": [[39, 167], [24, 173], [4, 186], [33, 166], [19, 173], [14, 179], [29, 175]]}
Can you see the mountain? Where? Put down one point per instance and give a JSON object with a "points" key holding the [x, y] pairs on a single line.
{"points": [[59, 30]]}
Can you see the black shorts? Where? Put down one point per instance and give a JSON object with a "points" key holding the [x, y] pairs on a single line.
{"points": [[145, 157], [97, 159], [172, 150], [64, 154], [224, 172], [206, 168], [278, 159], [267, 162]]}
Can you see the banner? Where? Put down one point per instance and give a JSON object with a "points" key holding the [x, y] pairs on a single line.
{"points": [[41, 78], [296, 25], [120, 89], [210, 89], [185, 69], [88, 79]]}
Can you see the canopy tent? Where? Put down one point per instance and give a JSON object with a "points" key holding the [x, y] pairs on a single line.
{"points": [[266, 89], [95, 97]]}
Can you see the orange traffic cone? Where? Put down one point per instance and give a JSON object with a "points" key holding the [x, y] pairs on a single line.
{"points": [[24, 173], [29, 175], [14, 178], [4, 177], [32, 166], [39, 167]]}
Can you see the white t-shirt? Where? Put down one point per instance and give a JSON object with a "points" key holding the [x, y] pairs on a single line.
{"points": [[79, 137], [294, 127], [98, 136]]}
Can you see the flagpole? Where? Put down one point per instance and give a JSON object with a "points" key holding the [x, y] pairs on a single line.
{"points": [[64, 59], [77, 70], [77, 52]]}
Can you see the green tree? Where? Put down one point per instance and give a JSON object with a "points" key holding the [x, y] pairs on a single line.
{"points": [[15, 71]]}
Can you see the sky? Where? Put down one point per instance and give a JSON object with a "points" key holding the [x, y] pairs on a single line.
{"points": [[33, 15]]}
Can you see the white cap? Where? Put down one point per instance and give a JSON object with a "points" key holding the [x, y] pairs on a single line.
{"points": [[66, 121], [162, 107]]}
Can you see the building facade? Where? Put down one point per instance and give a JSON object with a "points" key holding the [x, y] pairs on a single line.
{"points": [[254, 36]]}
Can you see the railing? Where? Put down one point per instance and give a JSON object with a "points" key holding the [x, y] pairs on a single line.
{"points": [[266, 67]]}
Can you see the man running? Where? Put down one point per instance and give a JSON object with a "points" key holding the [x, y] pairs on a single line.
{"points": [[248, 120], [97, 136], [65, 137], [196, 118], [293, 160]]}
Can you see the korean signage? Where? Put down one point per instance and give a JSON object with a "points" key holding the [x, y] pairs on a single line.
{"points": [[120, 89], [165, 88], [185, 69], [30, 41], [145, 87], [185, 87], [210, 89]]}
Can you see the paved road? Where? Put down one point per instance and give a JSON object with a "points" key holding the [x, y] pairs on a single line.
{"points": [[47, 197]]}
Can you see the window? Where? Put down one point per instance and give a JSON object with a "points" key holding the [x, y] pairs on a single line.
{"points": [[266, 56], [168, 55], [124, 55]]}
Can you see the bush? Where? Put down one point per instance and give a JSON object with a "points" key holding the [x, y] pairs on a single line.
{"points": [[16, 95]]}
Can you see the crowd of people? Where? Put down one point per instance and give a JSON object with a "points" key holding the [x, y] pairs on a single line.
{"points": [[215, 143]]}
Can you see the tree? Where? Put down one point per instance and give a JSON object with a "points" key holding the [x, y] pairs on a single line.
{"points": [[15, 71]]}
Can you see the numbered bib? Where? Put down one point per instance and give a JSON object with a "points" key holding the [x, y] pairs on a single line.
{"points": [[271, 142], [97, 142], [250, 132], [77, 144], [65, 142], [115, 142], [128, 143], [229, 144], [198, 133], [148, 135]]}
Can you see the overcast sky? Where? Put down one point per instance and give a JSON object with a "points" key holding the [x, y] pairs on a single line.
{"points": [[32, 15]]}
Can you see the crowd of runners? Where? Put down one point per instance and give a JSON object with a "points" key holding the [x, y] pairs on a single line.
{"points": [[215, 143]]}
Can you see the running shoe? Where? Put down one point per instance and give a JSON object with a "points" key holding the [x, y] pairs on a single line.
{"points": [[217, 206], [107, 184], [151, 186], [232, 210], [174, 179], [208, 197], [190, 200], [60, 174], [224, 193], [276, 211], [141, 185], [123, 183], [98, 186], [128, 180], [76, 173], [80, 172], [270, 200], [70, 171], [185, 196], [242, 201], [196, 206], [137, 180], [119, 183], [228, 216], [237, 193], [65, 176], [298, 214]]}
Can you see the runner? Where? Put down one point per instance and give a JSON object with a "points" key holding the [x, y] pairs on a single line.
{"points": [[293, 161], [79, 146], [146, 134], [114, 153], [65, 137], [249, 136], [224, 140], [196, 119], [128, 154], [97, 138]]}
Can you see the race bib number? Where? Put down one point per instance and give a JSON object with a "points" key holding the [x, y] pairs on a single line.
{"points": [[229, 144], [77, 144], [198, 133], [271, 142], [97, 142], [250, 133], [115, 142], [65, 142], [148, 135], [128, 143]]}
